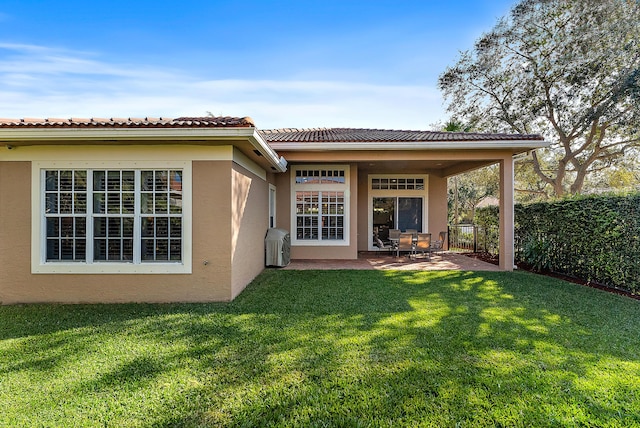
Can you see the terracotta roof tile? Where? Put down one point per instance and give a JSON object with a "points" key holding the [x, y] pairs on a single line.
{"points": [[353, 135], [131, 122]]}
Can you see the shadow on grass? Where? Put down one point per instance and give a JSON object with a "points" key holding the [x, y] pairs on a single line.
{"points": [[352, 348]]}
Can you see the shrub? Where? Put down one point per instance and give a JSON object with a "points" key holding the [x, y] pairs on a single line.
{"points": [[594, 238], [536, 254]]}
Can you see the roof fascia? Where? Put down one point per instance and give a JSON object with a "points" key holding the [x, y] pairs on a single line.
{"points": [[26, 136], [278, 162], [522, 145], [132, 134]]}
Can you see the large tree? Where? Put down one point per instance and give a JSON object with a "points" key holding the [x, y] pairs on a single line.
{"points": [[566, 69]]}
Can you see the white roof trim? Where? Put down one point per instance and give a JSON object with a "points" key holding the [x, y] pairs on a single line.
{"points": [[412, 145], [45, 134], [279, 162], [106, 133]]}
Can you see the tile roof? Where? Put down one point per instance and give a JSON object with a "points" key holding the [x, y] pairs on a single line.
{"points": [[131, 122], [353, 135]]}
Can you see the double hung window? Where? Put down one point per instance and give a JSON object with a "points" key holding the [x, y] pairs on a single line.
{"points": [[112, 216], [320, 204]]}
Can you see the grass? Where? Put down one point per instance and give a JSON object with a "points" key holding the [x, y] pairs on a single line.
{"points": [[332, 348]]}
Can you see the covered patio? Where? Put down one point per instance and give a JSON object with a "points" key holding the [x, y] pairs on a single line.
{"points": [[384, 261], [345, 188]]}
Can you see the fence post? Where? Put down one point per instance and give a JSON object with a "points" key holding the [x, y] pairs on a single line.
{"points": [[475, 238]]}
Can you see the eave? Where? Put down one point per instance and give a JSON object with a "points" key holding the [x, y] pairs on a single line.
{"points": [[516, 146], [257, 148]]}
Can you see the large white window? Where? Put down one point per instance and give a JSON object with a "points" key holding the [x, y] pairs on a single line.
{"points": [[125, 220], [321, 200]]}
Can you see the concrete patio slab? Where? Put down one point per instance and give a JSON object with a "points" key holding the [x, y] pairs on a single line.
{"points": [[373, 261]]}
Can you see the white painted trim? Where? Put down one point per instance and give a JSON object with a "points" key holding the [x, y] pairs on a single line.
{"points": [[38, 244], [273, 203], [41, 135], [51, 136], [278, 162], [321, 187], [412, 145]]}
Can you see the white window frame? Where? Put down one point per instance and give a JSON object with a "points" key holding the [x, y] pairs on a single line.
{"points": [[38, 225], [272, 206], [394, 193], [328, 187]]}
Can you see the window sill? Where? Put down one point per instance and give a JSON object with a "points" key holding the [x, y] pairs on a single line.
{"points": [[111, 268], [312, 243]]}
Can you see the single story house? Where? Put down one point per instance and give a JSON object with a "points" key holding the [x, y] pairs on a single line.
{"points": [[168, 210]]}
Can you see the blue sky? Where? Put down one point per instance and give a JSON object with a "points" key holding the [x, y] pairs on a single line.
{"points": [[326, 63]]}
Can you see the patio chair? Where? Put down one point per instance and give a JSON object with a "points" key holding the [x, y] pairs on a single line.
{"points": [[423, 244], [382, 246], [438, 246], [405, 243], [414, 232], [394, 233]]}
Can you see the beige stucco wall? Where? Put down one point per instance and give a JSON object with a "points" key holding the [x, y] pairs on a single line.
{"points": [[249, 223], [15, 228], [216, 186], [438, 164], [359, 208], [284, 208]]}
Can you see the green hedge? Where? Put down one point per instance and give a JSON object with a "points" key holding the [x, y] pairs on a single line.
{"points": [[594, 238]]}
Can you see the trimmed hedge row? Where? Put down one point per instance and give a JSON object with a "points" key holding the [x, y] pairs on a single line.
{"points": [[594, 238]]}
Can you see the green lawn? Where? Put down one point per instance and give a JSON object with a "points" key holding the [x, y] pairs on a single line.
{"points": [[332, 348]]}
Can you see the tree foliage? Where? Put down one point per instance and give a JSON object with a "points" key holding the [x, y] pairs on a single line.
{"points": [[468, 190], [566, 69]]}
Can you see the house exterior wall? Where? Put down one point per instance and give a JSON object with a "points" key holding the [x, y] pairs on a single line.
{"points": [[413, 162], [283, 200], [217, 185], [15, 229], [284, 213], [249, 224]]}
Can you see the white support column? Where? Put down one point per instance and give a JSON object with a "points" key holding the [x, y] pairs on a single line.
{"points": [[506, 214]]}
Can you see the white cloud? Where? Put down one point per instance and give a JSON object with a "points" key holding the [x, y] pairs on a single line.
{"points": [[37, 81]]}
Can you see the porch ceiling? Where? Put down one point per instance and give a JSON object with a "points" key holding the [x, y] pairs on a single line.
{"points": [[440, 168], [441, 164]]}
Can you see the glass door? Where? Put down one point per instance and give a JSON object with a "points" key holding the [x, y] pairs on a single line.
{"points": [[410, 214], [384, 217], [396, 213]]}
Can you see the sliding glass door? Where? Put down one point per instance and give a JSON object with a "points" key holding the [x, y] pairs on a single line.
{"points": [[396, 212]]}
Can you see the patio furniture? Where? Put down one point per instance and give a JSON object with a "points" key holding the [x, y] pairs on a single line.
{"points": [[414, 232], [405, 243], [382, 246], [394, 234], [423, 244], [438, 246]]}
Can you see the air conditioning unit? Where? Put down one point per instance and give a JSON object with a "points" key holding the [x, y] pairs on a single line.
{"points": [[277, 245]]}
